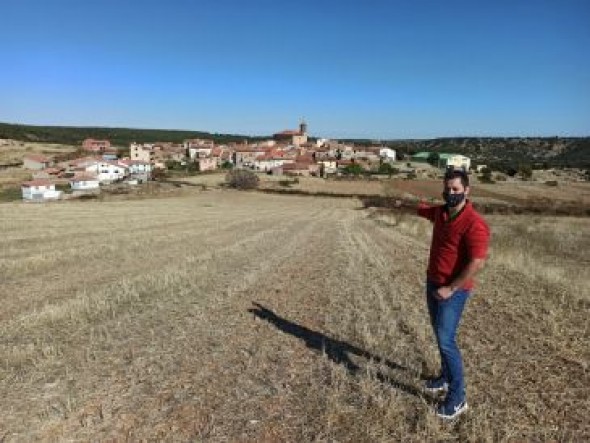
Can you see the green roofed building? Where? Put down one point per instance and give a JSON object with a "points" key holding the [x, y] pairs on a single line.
{"points": [[421, 157]]}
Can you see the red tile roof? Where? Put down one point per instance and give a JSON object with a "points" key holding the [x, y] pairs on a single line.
{"points": [[288, 132], [53, 170], [78, 161], [83, 177], [296, 166]]}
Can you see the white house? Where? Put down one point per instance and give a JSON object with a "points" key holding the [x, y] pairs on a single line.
{"points": [[320, 142], [136, 166], [328, 166], [107, 171], [387, 154], [200, 151], [84, 183], [268, 162], [39, 190], [455, 161]]}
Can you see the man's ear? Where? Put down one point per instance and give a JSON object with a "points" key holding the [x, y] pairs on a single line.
{"points": [[467, 189]]}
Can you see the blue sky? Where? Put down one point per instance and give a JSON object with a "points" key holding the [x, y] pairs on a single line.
{"points": [[373, 68]]}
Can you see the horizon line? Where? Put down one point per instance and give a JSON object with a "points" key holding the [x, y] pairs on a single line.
{"points": [[312, 136]]}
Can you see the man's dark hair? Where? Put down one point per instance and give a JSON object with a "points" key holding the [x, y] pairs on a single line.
{"points": [[453, 173]]}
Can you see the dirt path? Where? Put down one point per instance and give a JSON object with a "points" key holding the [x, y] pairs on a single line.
{"points": [[248, 317]]}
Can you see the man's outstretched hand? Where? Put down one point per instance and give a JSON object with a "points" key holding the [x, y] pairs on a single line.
{"points": [[444, 293]]}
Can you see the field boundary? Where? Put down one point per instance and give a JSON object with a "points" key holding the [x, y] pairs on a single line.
{"points": [[409, 205]]}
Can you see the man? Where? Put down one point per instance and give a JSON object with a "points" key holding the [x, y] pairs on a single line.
{"points": [[459, 247]]}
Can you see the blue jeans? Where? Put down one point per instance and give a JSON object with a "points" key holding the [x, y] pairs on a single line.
{"points": [[445, 316]]}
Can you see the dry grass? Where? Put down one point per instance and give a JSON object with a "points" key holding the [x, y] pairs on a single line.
{"points": [[13, 150], [246, 317], [570, 192], [306, 184], [13, 176]]}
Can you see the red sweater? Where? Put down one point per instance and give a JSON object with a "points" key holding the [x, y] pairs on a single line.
{"points": [[454, 243]]}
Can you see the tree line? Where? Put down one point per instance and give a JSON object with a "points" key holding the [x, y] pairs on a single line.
{"points": [[120, 137]]}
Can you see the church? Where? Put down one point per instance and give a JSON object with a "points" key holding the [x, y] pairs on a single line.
{"points": [[294, 137]]}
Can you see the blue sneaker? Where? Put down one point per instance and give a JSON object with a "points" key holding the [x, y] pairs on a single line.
{"points": [[451, 409], [436, 385]]}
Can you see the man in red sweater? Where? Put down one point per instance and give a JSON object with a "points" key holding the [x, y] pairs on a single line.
{"points": [[458, 251]]}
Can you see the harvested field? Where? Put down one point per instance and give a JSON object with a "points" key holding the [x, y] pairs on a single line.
{"points": [[228, 316]]}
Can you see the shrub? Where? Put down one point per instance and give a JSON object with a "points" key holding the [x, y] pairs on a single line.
{"points": [[65, 188], [10, 194], [433, 159], [353, 169], [159, 174], [526, 172], [386, 168], [241, 179], [486, 176]]}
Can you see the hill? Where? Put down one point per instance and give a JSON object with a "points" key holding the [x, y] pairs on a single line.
{"points": [[501, 151]]}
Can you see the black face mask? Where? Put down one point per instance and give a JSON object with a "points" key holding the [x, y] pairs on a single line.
{"points": [[453, 200]]}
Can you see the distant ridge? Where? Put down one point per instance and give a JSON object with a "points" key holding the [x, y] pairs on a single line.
{"points": [[73, 135]]}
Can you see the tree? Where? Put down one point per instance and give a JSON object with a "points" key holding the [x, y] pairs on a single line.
{"points": [[433, 158], [386, 168], [486, 175], [353, 169], [525, 171]]}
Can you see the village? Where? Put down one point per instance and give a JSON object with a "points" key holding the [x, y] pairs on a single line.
{"points": [[288, 153]]}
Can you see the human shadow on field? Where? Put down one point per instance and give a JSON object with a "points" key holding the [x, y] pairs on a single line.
{"points": [[339, 351]]}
